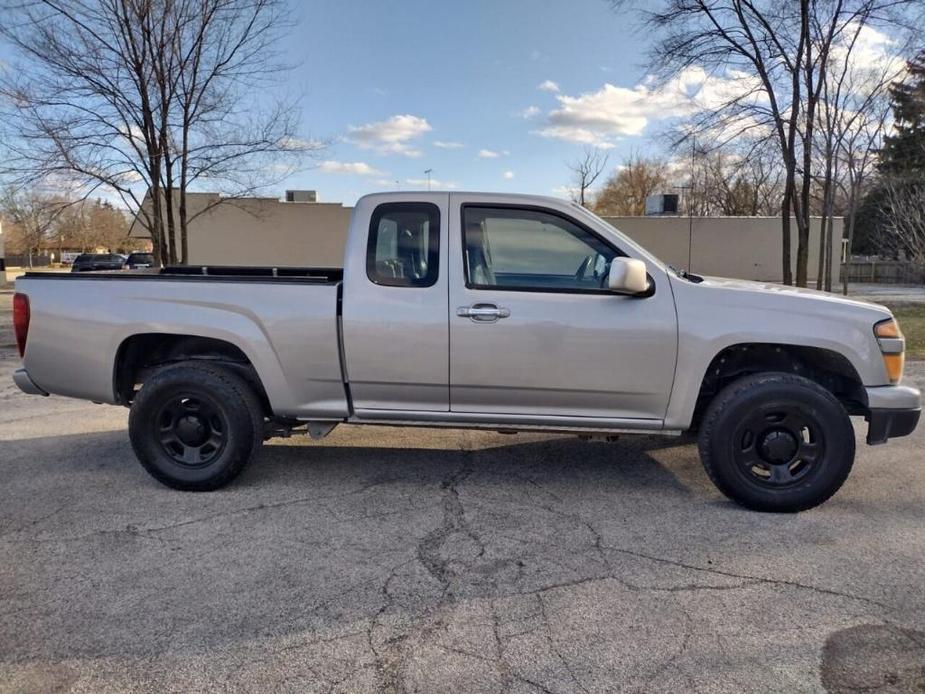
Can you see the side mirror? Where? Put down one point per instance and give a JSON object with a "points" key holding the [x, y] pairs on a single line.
{"points": [[627, 276]]}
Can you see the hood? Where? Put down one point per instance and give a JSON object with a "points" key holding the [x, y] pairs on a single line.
{"points": [[785, 290], [796, 301]]}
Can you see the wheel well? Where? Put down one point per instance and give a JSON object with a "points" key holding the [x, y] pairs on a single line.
{"points": [[139, 355], [829, 369]]}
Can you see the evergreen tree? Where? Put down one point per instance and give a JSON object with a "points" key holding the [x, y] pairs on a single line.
{"points": [[903, 151]]}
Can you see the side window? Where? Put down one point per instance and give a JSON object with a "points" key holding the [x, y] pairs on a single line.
{"points": [[404, 245], [523, 249]]}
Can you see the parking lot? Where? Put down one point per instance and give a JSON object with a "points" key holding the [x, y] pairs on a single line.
{"points": [[435, 561]]}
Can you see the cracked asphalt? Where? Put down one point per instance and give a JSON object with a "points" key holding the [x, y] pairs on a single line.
{"points": [[401, 560]]}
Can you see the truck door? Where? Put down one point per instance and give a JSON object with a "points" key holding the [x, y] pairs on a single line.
{"points": [[533, 330], [395, 331]]}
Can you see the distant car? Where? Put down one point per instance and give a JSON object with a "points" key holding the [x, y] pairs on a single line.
{"points": [[88, 262], [139, 260]]}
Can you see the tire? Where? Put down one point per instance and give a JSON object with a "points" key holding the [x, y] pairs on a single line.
{"points": [[195, 425], [776, 442]]}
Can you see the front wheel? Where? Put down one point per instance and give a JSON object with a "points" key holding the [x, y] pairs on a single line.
{"points": [[777, 442], [195, 425]]}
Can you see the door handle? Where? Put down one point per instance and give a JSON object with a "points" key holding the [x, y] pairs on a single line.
{"points": [[483, 313]]}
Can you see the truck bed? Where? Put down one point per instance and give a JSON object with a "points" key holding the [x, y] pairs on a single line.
{"points": [[284, 320]]}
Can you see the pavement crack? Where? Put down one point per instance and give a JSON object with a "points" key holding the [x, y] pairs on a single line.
{"points": [[555, 647], [754, 580], [431, 546]]}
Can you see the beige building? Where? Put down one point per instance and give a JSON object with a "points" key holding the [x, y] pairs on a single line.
{"points": [[742, 247], [300, 232], [263, 231]]}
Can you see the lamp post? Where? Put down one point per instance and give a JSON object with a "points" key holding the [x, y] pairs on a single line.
{"points": [[428, 172]]}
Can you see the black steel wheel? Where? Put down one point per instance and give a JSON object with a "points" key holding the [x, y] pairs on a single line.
{"points": [[777, 442], [195, 425], [192, 431]]}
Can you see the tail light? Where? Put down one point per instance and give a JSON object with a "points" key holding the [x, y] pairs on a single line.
{"points": [[21, 321]]}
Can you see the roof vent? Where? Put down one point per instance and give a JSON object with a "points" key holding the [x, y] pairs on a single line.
{"points": [[301, 196]]}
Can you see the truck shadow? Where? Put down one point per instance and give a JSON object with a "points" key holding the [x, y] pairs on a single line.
{"points": [[631, 463]]}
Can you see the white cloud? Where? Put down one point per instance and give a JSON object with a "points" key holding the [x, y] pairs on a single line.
{"points": [[434, 183], [530, 112], [448, 145], [508, 175], [548, 86], [390, 136], [488, 154], [349, 167], [599, 117], [568, 192]]}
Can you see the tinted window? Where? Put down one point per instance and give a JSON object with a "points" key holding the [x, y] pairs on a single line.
{"points": [[404, 245], [531, 249]]}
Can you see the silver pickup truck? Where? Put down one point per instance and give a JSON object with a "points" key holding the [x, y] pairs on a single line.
{"points": [[466, 310]]}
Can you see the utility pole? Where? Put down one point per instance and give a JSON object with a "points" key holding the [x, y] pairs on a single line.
{"points": [[428, 172]]}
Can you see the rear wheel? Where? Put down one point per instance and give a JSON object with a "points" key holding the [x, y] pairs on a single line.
{"points": [[195, 425], [777, 442]]}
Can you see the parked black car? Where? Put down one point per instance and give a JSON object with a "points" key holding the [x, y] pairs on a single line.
{"points": [[87, 262], [139, 260]]}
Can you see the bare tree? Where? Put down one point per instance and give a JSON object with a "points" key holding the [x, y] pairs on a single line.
{"points": [[87, 225], [852, 113], [148, 99], [735, 181], [904, 205], [625, 192], [586, 170], [781, 53], [34, 215]]}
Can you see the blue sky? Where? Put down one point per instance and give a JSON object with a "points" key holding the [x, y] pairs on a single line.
{"points": [[392, 81]]}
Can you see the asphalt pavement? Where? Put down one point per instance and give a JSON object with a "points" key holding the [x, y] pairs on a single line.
{"points": [[437, 561]]}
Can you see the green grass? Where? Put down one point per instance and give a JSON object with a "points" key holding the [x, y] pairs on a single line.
{"points": [[911, 319]]}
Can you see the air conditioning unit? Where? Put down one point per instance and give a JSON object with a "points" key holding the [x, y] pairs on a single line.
{"points": [[662, 204], [301, 196]]}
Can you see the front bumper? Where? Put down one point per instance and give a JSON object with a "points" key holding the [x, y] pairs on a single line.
{"points": [[22, 379], [892, 411]]}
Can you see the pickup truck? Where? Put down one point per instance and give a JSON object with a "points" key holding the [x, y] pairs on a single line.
{"points": [[470, 310]]}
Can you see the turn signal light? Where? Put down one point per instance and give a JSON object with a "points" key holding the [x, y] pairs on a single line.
{"points": [[894, 364], [21, 321]]}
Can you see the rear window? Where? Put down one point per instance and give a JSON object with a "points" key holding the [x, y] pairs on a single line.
{"points": [[404, 245]]}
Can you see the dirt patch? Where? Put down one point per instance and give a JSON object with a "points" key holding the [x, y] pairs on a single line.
{"points": [[874, 658]]}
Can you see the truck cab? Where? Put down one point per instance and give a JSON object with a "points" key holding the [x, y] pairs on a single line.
{"points": [[490, 308]]}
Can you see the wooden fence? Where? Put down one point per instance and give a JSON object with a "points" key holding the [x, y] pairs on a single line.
{"points": [[884, 271]]}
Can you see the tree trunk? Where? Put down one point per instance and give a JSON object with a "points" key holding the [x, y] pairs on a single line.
{"points": [[850, 237], [787, 271], [168, 204]]}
